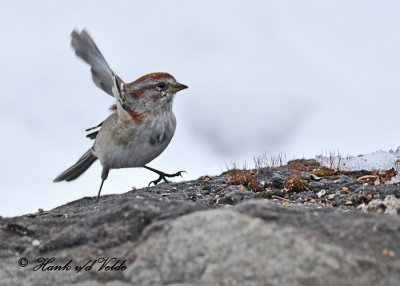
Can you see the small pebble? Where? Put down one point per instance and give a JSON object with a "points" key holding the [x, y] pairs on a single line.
{"points": [[35, 243]]}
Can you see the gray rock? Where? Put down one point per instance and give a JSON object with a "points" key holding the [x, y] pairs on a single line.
{"points": [[180, 234], [234, 194], [229, 247]]}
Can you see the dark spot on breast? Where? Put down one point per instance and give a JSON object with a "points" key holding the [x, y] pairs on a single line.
{"points": [[152, 141], [157, 138]]}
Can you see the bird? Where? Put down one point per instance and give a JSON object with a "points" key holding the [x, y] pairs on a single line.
{"points": [[141, 123]]}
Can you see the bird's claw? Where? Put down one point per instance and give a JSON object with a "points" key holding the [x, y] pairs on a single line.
{"points": [[155, 182], [177, 174], [164, 177]]}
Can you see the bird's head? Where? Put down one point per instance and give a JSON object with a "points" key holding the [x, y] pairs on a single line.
{"points": [[153, 92]]}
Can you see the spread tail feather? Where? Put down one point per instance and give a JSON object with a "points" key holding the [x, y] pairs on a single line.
{"points": [[78, 168]]}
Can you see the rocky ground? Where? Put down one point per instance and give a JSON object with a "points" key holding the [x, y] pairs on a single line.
{"points": [[299, 224]]}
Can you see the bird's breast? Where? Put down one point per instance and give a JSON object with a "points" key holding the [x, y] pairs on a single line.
{"points": [[162, 130], [136, 145]]}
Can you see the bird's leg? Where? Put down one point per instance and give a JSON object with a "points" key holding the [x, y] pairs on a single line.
{"points": [[162, 176], [104, 175]]}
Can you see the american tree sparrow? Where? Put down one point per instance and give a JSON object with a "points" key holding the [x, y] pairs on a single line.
{"points": [[141, 124]]}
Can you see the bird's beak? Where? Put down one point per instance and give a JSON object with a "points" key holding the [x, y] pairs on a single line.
{"points": [[178, 87]]}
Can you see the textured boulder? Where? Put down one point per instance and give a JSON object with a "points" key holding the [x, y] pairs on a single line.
{"points": [[208, 232], [253, 244]]}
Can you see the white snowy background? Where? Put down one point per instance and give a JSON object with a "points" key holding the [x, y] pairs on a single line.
{"points": [[299, 77]]}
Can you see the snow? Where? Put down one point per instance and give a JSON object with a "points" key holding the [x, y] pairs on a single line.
{"points": [[379, 160]]}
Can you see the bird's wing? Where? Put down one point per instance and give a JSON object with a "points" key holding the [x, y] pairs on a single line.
{"points": [[86, 49], [119, 92], [93, 134]]}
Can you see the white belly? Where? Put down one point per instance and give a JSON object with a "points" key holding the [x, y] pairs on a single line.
{"points": [[119, 146], [137, 155]]}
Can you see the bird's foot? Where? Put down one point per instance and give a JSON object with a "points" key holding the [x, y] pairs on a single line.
{"points": [[163, 176]]}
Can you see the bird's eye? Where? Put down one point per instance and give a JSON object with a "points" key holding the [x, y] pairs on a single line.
{"points": [[161, 85]]}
